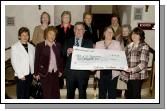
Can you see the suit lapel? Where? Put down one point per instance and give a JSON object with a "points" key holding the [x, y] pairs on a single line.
{"points": [[57, 54], [72, 42], [55, 49], [83, 43]]}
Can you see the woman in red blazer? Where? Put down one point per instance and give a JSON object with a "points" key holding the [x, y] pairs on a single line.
{"points": [[47, 64]]}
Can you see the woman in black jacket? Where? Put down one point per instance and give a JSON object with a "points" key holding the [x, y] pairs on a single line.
{"points": [[65, 32]]}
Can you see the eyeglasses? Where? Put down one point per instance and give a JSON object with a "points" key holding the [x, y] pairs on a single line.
{"points": [[80, 29]]}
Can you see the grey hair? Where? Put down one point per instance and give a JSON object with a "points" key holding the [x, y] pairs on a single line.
{"points": [[127, 26]]}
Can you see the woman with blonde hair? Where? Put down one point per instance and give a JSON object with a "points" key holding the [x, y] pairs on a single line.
{"points": [[38, 35], [65, 32]]}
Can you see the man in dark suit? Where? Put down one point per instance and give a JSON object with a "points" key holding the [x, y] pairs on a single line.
{"points": [[90, 30], [91, 34], [76, 78]]}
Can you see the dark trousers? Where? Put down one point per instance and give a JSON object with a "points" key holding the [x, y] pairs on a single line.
{"points": [[23, 87], [77, 79], [50, 86], [134, 89], [107, 85]]}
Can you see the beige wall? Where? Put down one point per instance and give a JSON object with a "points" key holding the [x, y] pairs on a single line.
{"points": [[100, 9], [147, 17], [29, 16], [126, 14], [25, 15]]}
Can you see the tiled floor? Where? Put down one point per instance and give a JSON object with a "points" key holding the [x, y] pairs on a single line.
{"points": [[10, 87], [11, 92]]}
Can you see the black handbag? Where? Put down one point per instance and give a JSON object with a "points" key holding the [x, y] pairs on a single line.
{"points": [[36, 89], [61, 82]]}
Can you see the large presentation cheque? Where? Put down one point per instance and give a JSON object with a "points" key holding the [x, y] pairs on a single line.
{"points": [[93, 59]]}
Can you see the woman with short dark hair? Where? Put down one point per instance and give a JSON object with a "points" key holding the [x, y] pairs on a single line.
{"points": [[137, 54], [22, 59]]}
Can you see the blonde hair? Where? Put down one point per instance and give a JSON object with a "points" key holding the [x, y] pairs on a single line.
{"points": [[66, 13]]}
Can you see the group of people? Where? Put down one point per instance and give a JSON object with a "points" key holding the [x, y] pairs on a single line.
{"points": [[48, 58]]}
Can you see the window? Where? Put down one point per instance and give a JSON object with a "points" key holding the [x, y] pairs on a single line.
{"points": [[138, 13], [10, 21]]}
